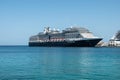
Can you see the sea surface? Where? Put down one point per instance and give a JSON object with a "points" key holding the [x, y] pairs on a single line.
{"points": [[59, 63]]}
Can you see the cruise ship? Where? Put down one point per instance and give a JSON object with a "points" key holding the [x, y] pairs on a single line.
{"points": [[69, 37], [115, 40]]}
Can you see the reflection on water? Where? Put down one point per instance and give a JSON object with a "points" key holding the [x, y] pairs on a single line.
{"points": [[41, 63]]}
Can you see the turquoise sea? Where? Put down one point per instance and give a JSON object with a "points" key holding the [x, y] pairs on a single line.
{"points": [[59, 63]]}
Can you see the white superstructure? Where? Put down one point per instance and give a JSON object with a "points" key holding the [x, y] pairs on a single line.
{"points": [[115, 40]]}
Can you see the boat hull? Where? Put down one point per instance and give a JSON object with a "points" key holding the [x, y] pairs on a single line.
{"points": [[78, 43]]}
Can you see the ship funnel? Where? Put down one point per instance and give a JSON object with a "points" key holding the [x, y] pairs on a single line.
{"points": [[47, 30]]}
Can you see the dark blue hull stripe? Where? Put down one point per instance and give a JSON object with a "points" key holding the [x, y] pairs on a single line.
{"points": [[80, 43]]}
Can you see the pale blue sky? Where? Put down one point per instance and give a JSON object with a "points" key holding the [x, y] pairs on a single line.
{"points": [[19, 19]]}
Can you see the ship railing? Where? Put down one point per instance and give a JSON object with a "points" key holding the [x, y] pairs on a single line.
{"points": [[73, 39], [51, 40], [56, 39], [76, 39]]}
